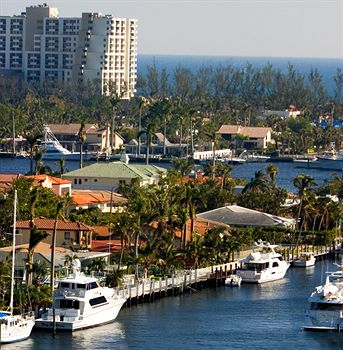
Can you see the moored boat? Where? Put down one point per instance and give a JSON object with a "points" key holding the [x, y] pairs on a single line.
{"points": [[326, 305], [233, 280], [14, 328], [80, 302], [305, 260], [263, 264]]}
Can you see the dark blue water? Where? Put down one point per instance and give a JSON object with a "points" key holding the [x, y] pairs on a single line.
{"points": [[326, 66], [287, 171], [268, 316]]}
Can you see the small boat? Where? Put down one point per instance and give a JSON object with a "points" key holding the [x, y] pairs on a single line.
{"points": [[233, 281], [305, 160], [326, 305], [53, 150], [263, 264], [15, 328], [330, 159], [305, 260], [80, 302]]}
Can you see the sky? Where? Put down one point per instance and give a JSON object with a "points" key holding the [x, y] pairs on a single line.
{"points": [[266, 28]]}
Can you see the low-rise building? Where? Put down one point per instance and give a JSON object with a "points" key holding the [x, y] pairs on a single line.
{"points": [[73, 235], [256, 137], [106, 201], [59, 186], [98, 139], [109, 176]]}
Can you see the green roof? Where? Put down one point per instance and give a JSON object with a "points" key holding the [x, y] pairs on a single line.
{"points": [[115, 170]]}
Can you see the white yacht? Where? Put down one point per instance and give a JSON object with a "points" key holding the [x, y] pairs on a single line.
{"points": [[263, 264], [305, 260], [330, 159], [53, 150], [326, 305], [14, 328], [80, 302]]}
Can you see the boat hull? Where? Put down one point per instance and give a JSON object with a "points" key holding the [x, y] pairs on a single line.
{"points": [[100, 316], [323, 321], [309, 263], [269, 275], [327, 164], [19, 332]]}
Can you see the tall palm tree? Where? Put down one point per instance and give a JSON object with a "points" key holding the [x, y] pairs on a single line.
{"points": [[214, 139], [35, 235], [149, 132], [32, 140], [272, 171], [82, 139], [305, 185]]}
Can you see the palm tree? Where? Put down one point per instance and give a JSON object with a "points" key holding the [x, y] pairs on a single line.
{"points": [[213, 137], [149, 132], [224, 170], [82, 139], [32, 140], [35, 235], [272, 171], [304, 184]]}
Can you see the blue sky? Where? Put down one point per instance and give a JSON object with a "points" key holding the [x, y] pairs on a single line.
{"points": [[275, 28]]}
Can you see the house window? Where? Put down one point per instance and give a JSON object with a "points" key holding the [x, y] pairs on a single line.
{"points": [[75, 181], [67, 236], [95, 180], [79, 181]]}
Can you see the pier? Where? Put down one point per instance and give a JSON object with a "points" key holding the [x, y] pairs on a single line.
{"points": [[190, 281]]}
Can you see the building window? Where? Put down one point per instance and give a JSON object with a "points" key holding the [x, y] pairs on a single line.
{"points": [[67, 236], [75, 181], [79, 181]]}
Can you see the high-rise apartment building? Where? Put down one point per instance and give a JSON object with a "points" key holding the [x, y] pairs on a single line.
{"points": [[46, 47]]}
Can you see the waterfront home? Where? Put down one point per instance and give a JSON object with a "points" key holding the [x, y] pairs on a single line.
{"points": [[109, 176], [256, 137], [106, 201], [42, 255], [98, 139], [159, 145], [236, 216], [6, 181], [59, 186], [73, 235]]}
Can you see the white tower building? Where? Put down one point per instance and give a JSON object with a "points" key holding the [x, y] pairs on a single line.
{"points": [[46, 47]]}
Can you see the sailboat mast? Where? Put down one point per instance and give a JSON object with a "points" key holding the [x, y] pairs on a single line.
{"points": [[13, 131], [13, 249]]}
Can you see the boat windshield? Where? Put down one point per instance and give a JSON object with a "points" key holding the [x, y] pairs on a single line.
{"points": [[69, 304], [256, 267]]}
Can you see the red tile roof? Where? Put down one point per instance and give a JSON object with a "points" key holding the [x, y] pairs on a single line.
{"points": [[48, 224], [82, 199], [6, 180], [105, 245], [258, 132], [54, 180]]}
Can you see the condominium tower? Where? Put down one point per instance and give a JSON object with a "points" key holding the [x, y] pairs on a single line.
{"points": [[44, 47]]}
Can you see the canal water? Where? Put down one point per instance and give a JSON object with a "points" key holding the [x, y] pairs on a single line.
{"points": [[268, 316], [287, 171]]}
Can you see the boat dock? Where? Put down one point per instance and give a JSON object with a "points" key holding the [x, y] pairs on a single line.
{"points": [[189, 281]]}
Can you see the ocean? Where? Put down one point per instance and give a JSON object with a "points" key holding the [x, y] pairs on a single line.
{"points": [[327, 67]]}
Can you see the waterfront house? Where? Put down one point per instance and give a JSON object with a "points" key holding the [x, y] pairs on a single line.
{"points": [[73, 235], [6, 181], [59, 186], [98, 139], [236, 216], [106, 201], [109, 176], [158, 144], [255, 137], [42, 255]]}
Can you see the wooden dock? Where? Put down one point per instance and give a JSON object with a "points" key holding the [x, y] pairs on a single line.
{"points": [[189, 281]]}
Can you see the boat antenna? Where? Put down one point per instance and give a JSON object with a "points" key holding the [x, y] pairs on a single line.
{"points": [[13, 249]]}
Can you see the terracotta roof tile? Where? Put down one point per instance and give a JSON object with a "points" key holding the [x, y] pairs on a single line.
{"points": [[54, 180], [48, 224]]}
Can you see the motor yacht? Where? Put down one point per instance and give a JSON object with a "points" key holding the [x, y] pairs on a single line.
{"points": [[263, 264], [53, 150], [305, 260], [233, 280], [80, 302], [325, 312]]}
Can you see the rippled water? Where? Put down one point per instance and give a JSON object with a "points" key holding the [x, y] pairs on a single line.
{"points": [[268, 316]]}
